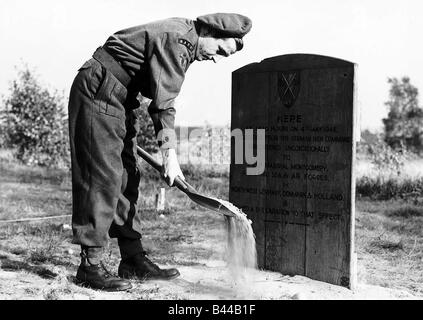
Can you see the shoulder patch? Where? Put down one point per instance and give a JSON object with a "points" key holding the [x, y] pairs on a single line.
{"points": [[186, 43]]}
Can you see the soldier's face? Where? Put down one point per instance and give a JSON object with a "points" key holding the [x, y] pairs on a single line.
{"points": [[210, 48]]}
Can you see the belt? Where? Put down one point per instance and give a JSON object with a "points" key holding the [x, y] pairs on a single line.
{"points": [[107, 61]]}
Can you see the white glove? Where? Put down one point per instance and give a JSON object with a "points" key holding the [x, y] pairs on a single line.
{"points": [[170, 167]]}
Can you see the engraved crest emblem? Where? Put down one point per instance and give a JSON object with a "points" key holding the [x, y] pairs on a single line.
{"points": [[288, 87]]}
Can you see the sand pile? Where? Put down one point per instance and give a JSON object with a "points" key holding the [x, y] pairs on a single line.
{"points": [[241, 250]]}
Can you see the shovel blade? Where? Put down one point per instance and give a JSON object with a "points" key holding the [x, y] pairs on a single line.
{"points": [[211, 203]]}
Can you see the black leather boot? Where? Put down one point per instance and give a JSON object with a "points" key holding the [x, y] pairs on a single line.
{"points": [[141, 268], [92, 273]]}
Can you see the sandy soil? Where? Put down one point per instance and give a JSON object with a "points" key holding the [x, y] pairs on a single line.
{"points": [[208, 280], [197, 252]]}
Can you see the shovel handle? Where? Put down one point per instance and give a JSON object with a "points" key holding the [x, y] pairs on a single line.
{"points": [[178, 182], [149, 159]]}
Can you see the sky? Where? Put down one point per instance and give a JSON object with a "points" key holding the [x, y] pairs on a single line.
{"points": [[383, 38]]}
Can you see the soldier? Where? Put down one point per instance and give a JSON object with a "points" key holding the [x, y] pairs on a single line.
{"points": [[150, 59]]}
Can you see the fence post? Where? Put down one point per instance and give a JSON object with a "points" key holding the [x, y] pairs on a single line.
{"points": [[160, 199]]}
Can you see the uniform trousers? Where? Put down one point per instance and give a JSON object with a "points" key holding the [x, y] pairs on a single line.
{"points": [[105, 176]]}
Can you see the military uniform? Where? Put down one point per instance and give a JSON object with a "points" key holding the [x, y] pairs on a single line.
{"points": [[150, 59], [103, 126]]}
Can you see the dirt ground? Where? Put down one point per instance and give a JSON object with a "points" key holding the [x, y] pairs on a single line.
{"points": [[38, 260], [209, 281], [197, 252]]}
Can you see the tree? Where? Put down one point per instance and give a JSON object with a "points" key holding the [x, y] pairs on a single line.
{"points": [[35, 123], [404, 124]]}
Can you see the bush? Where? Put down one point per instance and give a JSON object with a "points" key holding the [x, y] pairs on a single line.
{"points": [[35, 123], [392, 188], [388, 180], [387, 161]]}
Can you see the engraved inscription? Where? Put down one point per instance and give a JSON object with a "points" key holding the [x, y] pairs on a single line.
{"points": [[301, 205]]}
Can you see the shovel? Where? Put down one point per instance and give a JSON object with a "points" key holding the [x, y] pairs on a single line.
{"points": [[204, 201]]}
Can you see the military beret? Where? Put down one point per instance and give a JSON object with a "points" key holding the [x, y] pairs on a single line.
{"points": [[230, 25]]}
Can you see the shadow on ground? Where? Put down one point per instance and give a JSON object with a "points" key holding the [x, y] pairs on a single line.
{"points": [[9, 264]]}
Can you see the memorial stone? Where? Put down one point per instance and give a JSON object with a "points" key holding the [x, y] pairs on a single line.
{"points": [[302, 205]]}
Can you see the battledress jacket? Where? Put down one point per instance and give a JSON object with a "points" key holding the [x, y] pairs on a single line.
{"points": [[157, 55]]}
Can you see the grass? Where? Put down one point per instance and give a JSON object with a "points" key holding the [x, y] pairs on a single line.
{"points": [[389, 242], [182, 234], [389, 233]]}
